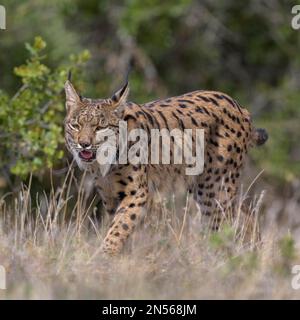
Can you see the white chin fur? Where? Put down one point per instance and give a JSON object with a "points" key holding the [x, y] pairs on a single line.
{"points": [[81, 164], [104, 168]]}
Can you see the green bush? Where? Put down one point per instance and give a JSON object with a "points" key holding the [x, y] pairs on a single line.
{"points": [[31, 120]]}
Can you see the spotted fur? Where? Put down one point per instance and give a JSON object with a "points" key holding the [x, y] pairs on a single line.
{"points": [[127, 190]]}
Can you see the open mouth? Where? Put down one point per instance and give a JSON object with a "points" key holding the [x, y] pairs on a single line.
{"points": [[87, 155]]}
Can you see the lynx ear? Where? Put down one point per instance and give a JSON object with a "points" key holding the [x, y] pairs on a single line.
{"points": [[72, 98], [120, 97]]}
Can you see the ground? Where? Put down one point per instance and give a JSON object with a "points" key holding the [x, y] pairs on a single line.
{"points": [[49, 256]]}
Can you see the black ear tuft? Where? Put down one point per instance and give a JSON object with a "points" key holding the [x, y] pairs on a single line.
{"points": [[70, 75], [129, 68]]}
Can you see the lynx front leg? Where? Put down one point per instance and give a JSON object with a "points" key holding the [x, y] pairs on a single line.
{"points": [[134, 198], [127, 216]]}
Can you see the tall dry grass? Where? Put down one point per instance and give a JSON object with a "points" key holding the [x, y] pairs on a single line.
{"points": [[50, 244]]}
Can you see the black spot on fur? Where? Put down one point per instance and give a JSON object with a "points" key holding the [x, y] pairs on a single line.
{"points": [[214, 102], [164, 119], [203, 98], [198, 109], [194, 121], [220, 158], [128, 117], [121, 195], [185, 101]]}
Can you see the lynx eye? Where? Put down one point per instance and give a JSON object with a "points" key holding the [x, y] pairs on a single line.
{"points": [[101, 128], [102, 124], [74, 126]]}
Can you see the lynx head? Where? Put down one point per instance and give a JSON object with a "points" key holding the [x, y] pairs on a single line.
{"points": [[88, 119]]}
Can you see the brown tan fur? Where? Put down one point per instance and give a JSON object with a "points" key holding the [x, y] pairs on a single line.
{"points": [[126, 190]]}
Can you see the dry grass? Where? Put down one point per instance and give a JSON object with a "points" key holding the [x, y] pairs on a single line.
{"points": [[52, 253]]}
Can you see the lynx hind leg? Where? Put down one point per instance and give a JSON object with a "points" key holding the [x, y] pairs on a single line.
{"points": [[215, 193], [220, 202]]}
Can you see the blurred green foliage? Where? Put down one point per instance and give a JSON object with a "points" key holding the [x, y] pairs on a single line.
{"points": [[248, 50], [31, 120], [287, 255]]}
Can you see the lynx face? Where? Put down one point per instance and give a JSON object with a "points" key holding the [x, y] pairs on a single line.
{"points": [[89, 120]]}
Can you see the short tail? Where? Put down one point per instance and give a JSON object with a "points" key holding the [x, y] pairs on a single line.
{"points": [[260, 136]]}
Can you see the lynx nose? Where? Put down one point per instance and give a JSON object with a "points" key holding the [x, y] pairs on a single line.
{"points": [[85, 144]]}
